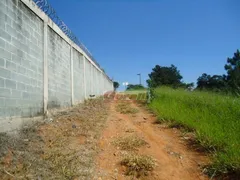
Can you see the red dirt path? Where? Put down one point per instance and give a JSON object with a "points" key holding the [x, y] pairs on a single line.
{"points": [[175, 160]]}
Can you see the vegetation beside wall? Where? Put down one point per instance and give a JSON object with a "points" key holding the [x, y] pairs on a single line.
{"points": [[213, 117]]}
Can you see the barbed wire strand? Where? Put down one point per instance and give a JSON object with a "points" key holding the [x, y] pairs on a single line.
{"points": [[51, 13]]}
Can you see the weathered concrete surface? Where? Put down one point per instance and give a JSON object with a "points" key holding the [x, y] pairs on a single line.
{"points": [[36, 73], [59, 84], [78, 77], [21, 61]]}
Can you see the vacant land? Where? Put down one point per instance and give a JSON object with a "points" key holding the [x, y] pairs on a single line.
{"points": [[63, 147], [108, 139], [125, 108], [214, 119], [134, 146]]}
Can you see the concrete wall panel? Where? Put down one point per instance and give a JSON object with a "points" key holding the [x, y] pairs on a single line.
{"points": [[29, 39], [21, 60], [88, 79], [59, 79], [78, 77]]}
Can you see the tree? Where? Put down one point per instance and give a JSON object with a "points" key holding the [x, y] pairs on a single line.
{"points": [[135, 87], [224, 83], [189, 86], [168, 76], [115, 85], [203, 81], [233, 71], [213, 83]]}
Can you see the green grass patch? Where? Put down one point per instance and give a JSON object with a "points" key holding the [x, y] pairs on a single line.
{"points": [[214, 118], [135, 91]]}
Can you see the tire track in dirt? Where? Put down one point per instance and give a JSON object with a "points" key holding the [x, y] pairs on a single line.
{"points": [[175, 160]]}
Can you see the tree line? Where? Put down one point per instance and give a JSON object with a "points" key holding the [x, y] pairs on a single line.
{"points": [[170, 76], [226, 82], [129, 86]]}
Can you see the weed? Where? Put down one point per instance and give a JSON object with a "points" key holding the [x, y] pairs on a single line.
{"points": [[129, 143], [213, 117], [125, 108], [53, 150], [4, 139], [138, 165]]}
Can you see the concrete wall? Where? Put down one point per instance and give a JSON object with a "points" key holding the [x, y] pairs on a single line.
{"points": [[59, 77], [89, 83], [78, 76], [40, 67], [21, 61]]}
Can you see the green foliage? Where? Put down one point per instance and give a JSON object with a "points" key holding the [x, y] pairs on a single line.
{"points": [[213, 117], [135, 87], [188, 86], [161, 75], [215, 83], [115, 85], [229, 83], [233, 71]]}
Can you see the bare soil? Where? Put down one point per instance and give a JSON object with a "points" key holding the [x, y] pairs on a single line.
{"points": [[92, 141], [63, 147], [175, 159]]}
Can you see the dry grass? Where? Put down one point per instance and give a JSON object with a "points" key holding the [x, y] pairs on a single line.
{"points": [[53, 150], [18, 153], [138, 165], [125, 108], [129, 143]]}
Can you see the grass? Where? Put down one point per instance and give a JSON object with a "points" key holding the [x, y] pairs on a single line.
{"points": [[214, 118], [138, 165], [138, 95], [18, 154], [129, 142], [125, 108], [135, 91], [53, 150]]}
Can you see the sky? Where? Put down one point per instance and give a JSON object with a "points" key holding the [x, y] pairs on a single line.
{"points": [[128, 37]]}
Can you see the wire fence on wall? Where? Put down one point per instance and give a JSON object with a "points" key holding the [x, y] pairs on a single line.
{"points": [[47, 9]]}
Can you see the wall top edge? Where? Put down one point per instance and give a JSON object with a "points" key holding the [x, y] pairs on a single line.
{"points": [[33, 6]]}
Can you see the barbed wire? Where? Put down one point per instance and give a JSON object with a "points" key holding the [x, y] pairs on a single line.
{"points": [[51, 13]]}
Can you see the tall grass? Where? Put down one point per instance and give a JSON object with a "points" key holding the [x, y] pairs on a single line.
{"points": [[215, 119]]}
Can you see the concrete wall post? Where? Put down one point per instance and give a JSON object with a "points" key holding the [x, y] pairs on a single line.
{"points": [[92, 80], [71, 74], [45, 66], [84, 77]]}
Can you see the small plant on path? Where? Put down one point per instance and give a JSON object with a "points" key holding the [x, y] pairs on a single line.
{"points": [[138, 165], [125, 108], [129, 143]]}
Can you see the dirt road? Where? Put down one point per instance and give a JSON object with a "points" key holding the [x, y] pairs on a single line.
{"points": [[101, 140], [174, 159]]}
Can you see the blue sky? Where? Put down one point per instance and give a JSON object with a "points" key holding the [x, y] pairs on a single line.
{"points": [[131, 37]]}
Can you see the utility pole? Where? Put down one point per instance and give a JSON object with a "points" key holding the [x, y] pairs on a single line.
{"points": [[140, 79]]}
